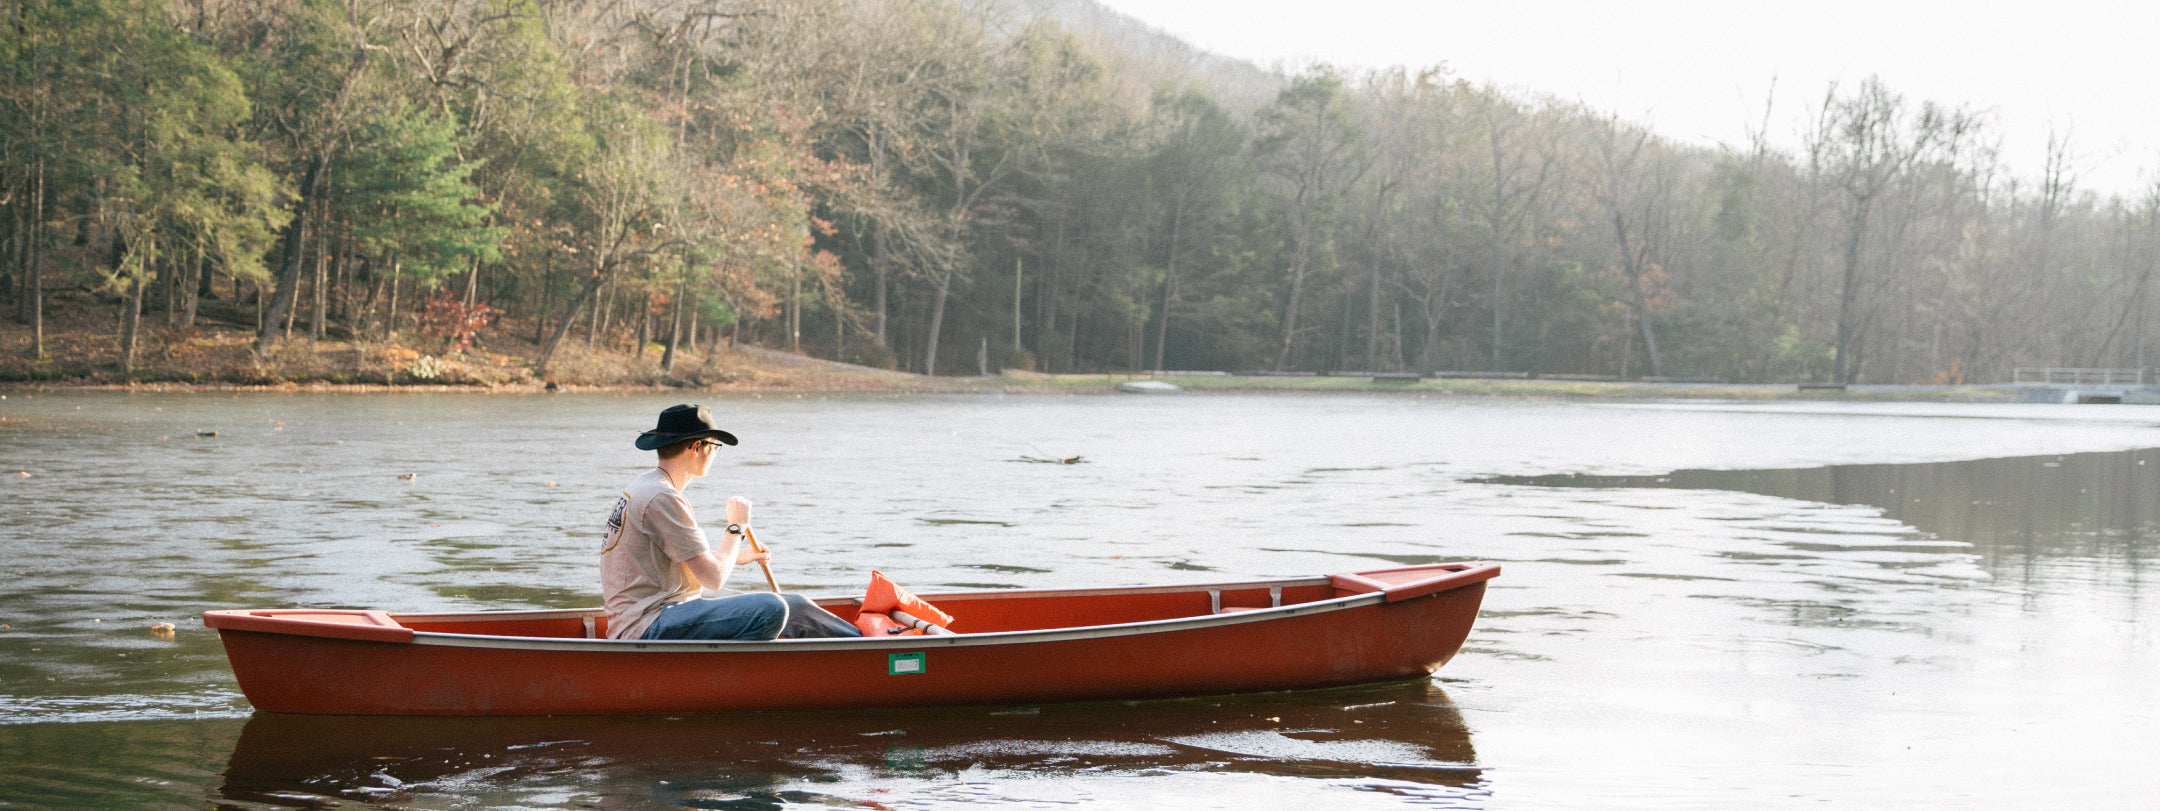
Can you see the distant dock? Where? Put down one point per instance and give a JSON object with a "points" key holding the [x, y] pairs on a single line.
{"points": [[2072, 385]]}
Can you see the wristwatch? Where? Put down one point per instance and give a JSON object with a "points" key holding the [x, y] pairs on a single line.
{"points": [[734, 529]]}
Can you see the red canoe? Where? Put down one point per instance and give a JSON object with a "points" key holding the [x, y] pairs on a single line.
{"points": [[1012, 647]]}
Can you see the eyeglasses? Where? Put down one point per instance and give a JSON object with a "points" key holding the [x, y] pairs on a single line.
{"points": [[709, 445]]}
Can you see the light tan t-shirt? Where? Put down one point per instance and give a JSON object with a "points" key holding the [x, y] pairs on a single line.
{"points": [[649, 533]]}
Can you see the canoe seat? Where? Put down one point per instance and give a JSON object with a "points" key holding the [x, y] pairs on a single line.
{"points": [[1215, 602]]}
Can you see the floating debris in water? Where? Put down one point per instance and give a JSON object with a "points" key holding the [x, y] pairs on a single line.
{"points": [[206, 433], [408, 476], [23, 473], [1044, 457], [161, 628]]}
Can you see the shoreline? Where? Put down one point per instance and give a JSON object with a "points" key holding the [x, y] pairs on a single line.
{"points": [[83, 355], [1024, 383]]}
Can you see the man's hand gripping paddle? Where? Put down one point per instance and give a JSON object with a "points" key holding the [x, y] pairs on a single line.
{"points": [[738, 512]]}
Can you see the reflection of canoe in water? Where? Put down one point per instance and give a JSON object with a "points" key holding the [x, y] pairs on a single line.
{"points": [[1014, 647], [1393, 731]]}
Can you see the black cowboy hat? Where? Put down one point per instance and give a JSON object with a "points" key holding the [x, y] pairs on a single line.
{"points": [[680, 422]]}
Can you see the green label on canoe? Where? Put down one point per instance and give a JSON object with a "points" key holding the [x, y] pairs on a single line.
{"points": [[905, 664]]}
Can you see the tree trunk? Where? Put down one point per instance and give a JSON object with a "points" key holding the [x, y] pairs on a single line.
{"points": [[570, 317], [131, 322], [19, 256], [1396, 360], [288, 289], [644, 326], [1632, 263], [1434, 307], [204, 277], [1046, 303], [374, 297], [1341, 355], [1848, 296], [1499, 247], [604, 315], [322, 284], [16, 233], [1372, 327], [397, 279], [1429, 349], [1072, 343], [547, 303], [877, 232], [1499, 274], [472, 283], [1290, 310], [879, 264], [1649, 335], [592, 325], [937, 321], [1169, 282], [291, 315], [191, 287], [35, 301], [131, 327], [169, 287], [675, 326]]}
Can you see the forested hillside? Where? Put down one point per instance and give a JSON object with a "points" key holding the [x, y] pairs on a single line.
{"points": [[941, 186]]}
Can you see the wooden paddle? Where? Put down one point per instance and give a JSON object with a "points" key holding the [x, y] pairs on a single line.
{"points": [[738, 512]]}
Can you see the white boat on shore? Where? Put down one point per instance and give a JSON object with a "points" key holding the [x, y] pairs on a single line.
{"points": [[1148, 387]]}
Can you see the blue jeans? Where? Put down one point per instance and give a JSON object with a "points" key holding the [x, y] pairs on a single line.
{"points": [[756, 616]]}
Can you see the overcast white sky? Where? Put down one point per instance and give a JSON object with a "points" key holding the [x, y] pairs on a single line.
{"points": [[1702, 71]]}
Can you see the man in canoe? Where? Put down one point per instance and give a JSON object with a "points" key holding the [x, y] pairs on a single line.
{"points": [[656, 562]]}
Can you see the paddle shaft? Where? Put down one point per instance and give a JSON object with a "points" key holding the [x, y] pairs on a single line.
{"points": [[751, 535]]}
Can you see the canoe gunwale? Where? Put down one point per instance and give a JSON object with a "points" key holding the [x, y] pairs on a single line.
{"points": [[986, 594]]}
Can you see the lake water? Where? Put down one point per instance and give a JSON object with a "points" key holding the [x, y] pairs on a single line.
{"points": [[1705, 605]]}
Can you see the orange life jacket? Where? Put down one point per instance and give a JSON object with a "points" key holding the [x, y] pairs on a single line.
{"points": [[875, 625], [885, 597]]}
